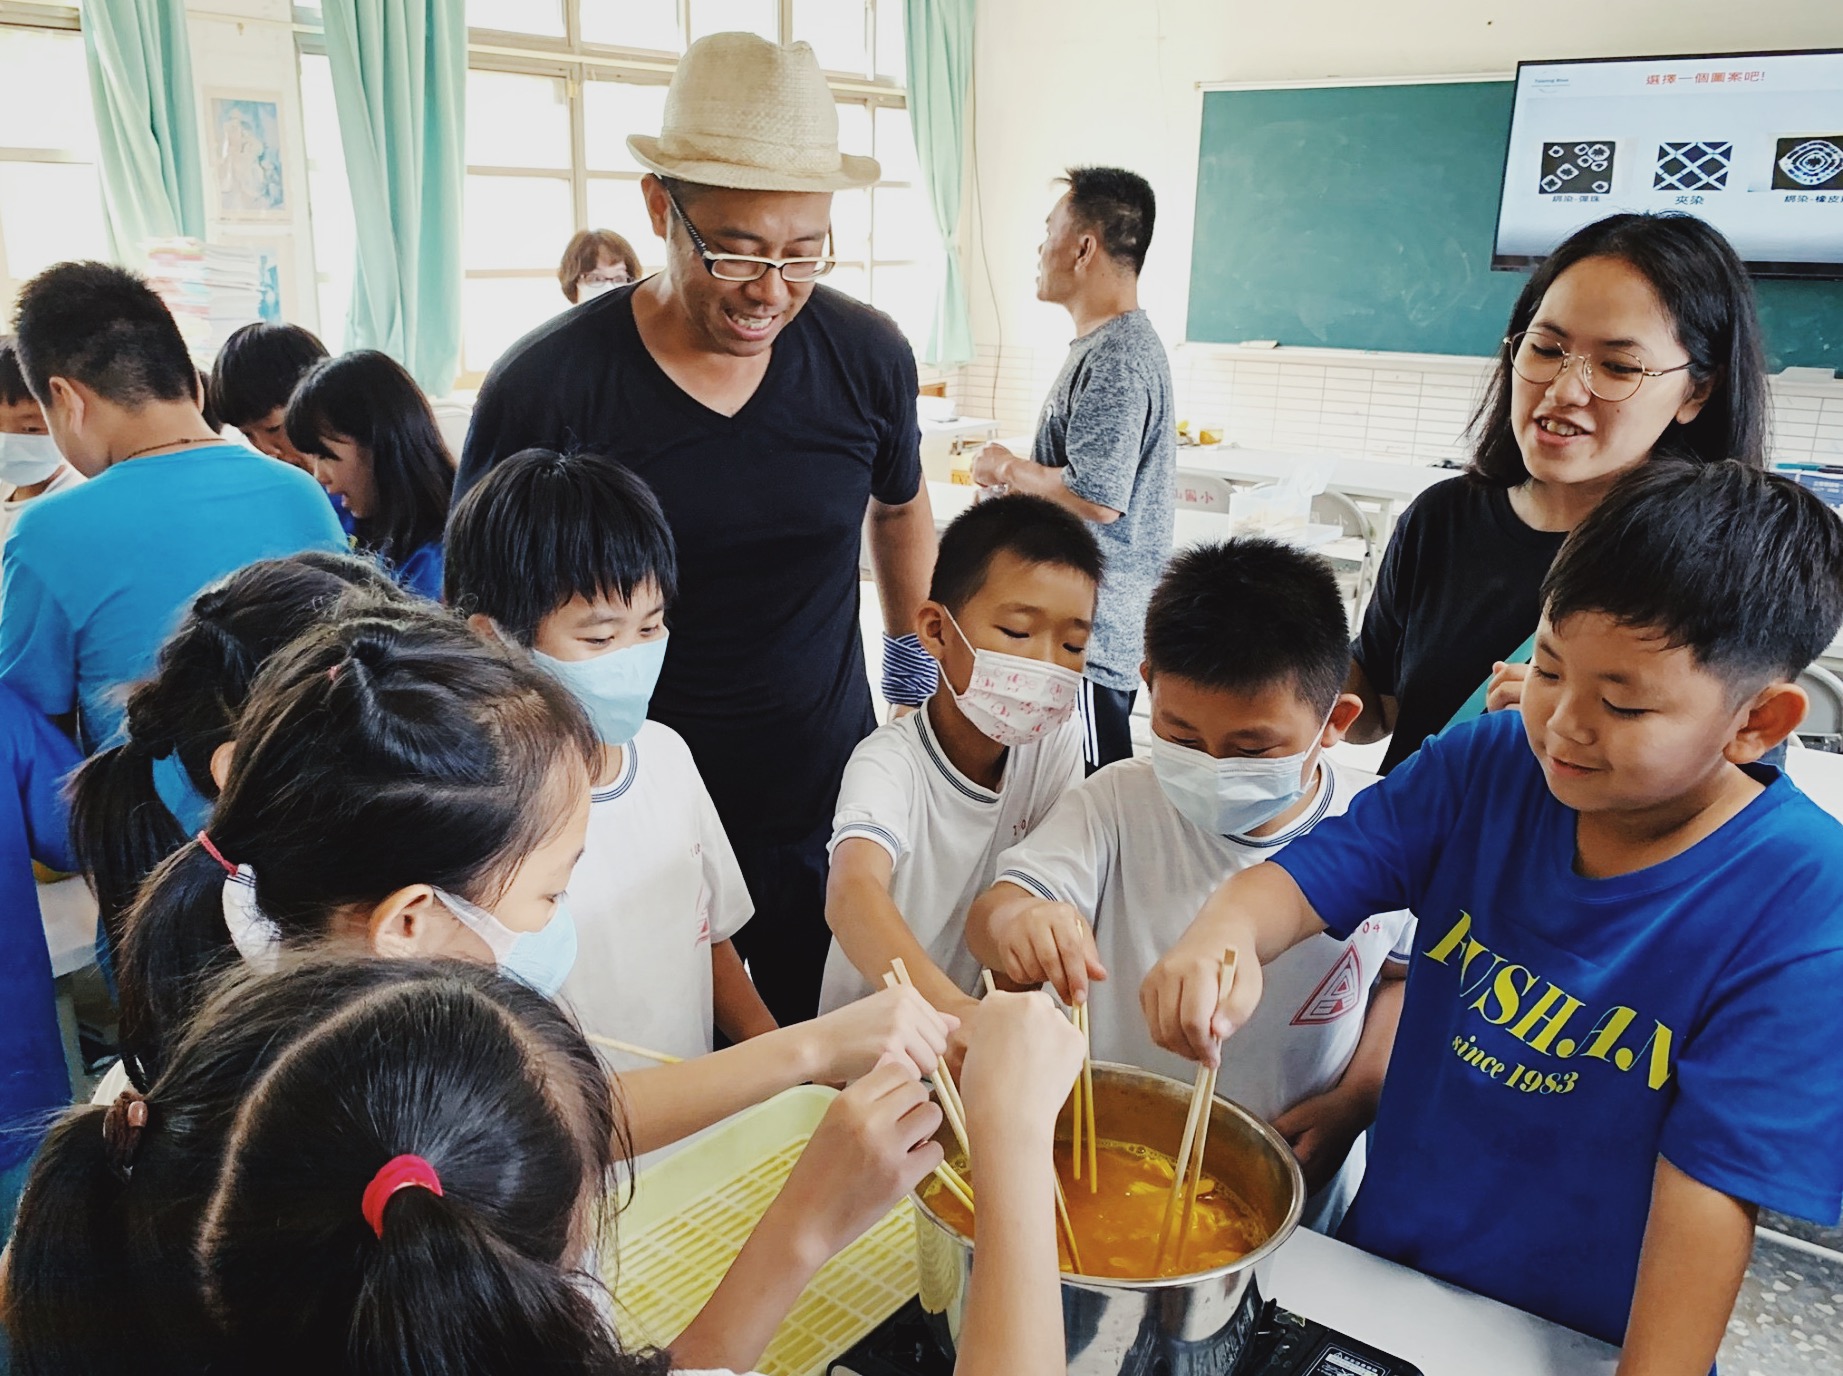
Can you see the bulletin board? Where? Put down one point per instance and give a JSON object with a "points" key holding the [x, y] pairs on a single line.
{"points": [[1362, 217]]}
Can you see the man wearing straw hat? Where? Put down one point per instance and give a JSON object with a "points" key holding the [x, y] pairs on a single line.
{"points": [[776, 420]]}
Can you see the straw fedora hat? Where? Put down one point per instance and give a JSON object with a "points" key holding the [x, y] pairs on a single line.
{"points": [[745, 113]]}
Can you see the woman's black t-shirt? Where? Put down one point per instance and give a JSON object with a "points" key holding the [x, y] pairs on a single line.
{"points": [[1459, 588]]}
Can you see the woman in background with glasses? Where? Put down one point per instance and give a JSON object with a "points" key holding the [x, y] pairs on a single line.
{"points": [[1635, 339], [596, 261]]}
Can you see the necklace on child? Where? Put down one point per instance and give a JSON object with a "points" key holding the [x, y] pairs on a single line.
{"points": [[168, 444]]}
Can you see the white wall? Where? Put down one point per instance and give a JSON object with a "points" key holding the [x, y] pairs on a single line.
{"points": [[1113, 82], [246, 48]]}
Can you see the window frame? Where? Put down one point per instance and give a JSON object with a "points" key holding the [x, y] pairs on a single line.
{"points": [[59, 19], [577, 62]]}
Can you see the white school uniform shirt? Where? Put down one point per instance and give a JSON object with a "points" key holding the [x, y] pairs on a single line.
{"points": [[1139, 870], [943, 832], [656, 885], [66, 477]]}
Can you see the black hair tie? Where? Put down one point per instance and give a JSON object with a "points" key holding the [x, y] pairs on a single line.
{"points": [[122, 1126]]}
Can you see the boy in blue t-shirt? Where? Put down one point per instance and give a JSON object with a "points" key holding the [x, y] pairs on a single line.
{"points": [[96, 576], [1621, 1022]]}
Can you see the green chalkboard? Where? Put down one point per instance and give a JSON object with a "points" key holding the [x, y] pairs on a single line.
{"points": [[1361, 217]]}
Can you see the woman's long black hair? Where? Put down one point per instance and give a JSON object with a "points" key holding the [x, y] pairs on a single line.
{"points": [[120, 828], [1705, 291], [367, 397], [226, 1234], [394, 747]]}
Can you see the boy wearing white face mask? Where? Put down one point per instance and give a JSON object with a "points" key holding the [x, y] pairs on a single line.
{"points": [[1246, 650], [571, 557], [930, 800], [30, 465]]}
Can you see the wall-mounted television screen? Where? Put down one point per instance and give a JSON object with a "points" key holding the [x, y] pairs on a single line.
{"points": [[1751, 142]]}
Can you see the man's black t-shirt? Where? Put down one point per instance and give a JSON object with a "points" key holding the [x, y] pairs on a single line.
{"points": [[765, 674], [1459, 588]]}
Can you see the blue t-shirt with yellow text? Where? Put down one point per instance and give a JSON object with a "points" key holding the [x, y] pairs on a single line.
{"points": [[1561, 1033]]}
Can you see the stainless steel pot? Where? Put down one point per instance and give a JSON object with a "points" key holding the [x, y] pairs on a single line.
{"points": [[1195, 1325]]}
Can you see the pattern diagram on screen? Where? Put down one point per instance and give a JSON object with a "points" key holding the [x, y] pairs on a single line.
{"points": [[1809, 164], [1692, 166], [1584, 168]]}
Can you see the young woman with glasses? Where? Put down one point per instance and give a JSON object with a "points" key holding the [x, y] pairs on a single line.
{"points": [[1636, 338]]}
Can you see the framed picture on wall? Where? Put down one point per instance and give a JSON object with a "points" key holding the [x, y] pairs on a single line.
{"points": [[245, 131]]}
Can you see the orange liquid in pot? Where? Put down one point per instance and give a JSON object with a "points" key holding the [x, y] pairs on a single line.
{"points": [[1117, 1226]]}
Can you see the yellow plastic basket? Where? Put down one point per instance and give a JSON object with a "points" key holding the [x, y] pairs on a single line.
{"points": [[692, 1211]]}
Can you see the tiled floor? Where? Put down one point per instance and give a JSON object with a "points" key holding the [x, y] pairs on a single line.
{"points": [[1789, 1318]]}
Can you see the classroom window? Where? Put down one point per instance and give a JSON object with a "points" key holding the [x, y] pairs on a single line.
{"points": [[554, 89], [50, 197]]}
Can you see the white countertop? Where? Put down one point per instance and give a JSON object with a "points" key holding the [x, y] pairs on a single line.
{"points": [[1443, 1330], [1189, 527], [1356, 477]]}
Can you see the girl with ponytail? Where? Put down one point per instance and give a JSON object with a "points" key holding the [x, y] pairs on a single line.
{"points": [[393, 1168], [404, 788], [135, 803]]}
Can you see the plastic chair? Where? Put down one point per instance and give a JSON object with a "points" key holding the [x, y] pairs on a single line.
{"points": [[1824, 717]]}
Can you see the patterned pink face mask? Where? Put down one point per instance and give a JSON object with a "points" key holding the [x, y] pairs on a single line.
{"points": [[1015, 700]]}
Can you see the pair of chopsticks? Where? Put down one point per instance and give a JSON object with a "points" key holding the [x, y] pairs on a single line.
{"points": [[1082, 1106], [954, 1109], [1189, 1175]]}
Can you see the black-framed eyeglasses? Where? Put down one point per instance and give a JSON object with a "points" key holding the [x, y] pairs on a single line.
{"points": [[1610, 374], [747, 267]]}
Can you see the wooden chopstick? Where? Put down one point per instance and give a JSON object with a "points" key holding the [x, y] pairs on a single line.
{"points": [[1188, 1176], [991, 985], [955, 1110], [663, 1057], [955, 1184], [1087, 1096], [1076, 1117], [951, 1107]]}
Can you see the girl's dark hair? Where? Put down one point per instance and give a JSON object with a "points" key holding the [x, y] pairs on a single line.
{"points": [[395, 747], [1706, 293], [367, 397], [542, 528], [227, 1234], [120, 829]]}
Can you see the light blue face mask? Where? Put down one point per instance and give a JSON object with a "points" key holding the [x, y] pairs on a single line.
{"points": [[1229, 797], [540, 959], [615, 688], [174, 785], [28, 459]]}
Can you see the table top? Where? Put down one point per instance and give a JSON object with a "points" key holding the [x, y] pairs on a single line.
{"points": [[1443, 1330], [68, 910], [1190, 527], [1354, 476]]}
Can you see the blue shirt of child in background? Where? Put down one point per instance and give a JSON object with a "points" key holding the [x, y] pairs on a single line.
{"points": [[1560, 1032], [35, 759], [421, 573], [96, 577]]}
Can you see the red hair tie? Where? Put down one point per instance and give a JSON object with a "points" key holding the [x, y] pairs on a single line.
{"points": [[398, 1173], [215, 853]]}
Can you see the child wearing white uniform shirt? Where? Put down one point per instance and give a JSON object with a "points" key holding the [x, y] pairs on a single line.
{"points": [[930, 800], [571, 556], [1246, 648], [655, 850]]}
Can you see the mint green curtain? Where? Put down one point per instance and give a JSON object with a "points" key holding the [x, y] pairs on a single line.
{"points": [[149, 154], [399, 81], [940, 34]]}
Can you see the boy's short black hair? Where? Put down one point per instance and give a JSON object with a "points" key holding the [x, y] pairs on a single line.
{"points": [[256, 370], [1117, 205], [1242, 615], [102, 326], [1743, 567], [543, 527], [13, 389], [1035, 529]]}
